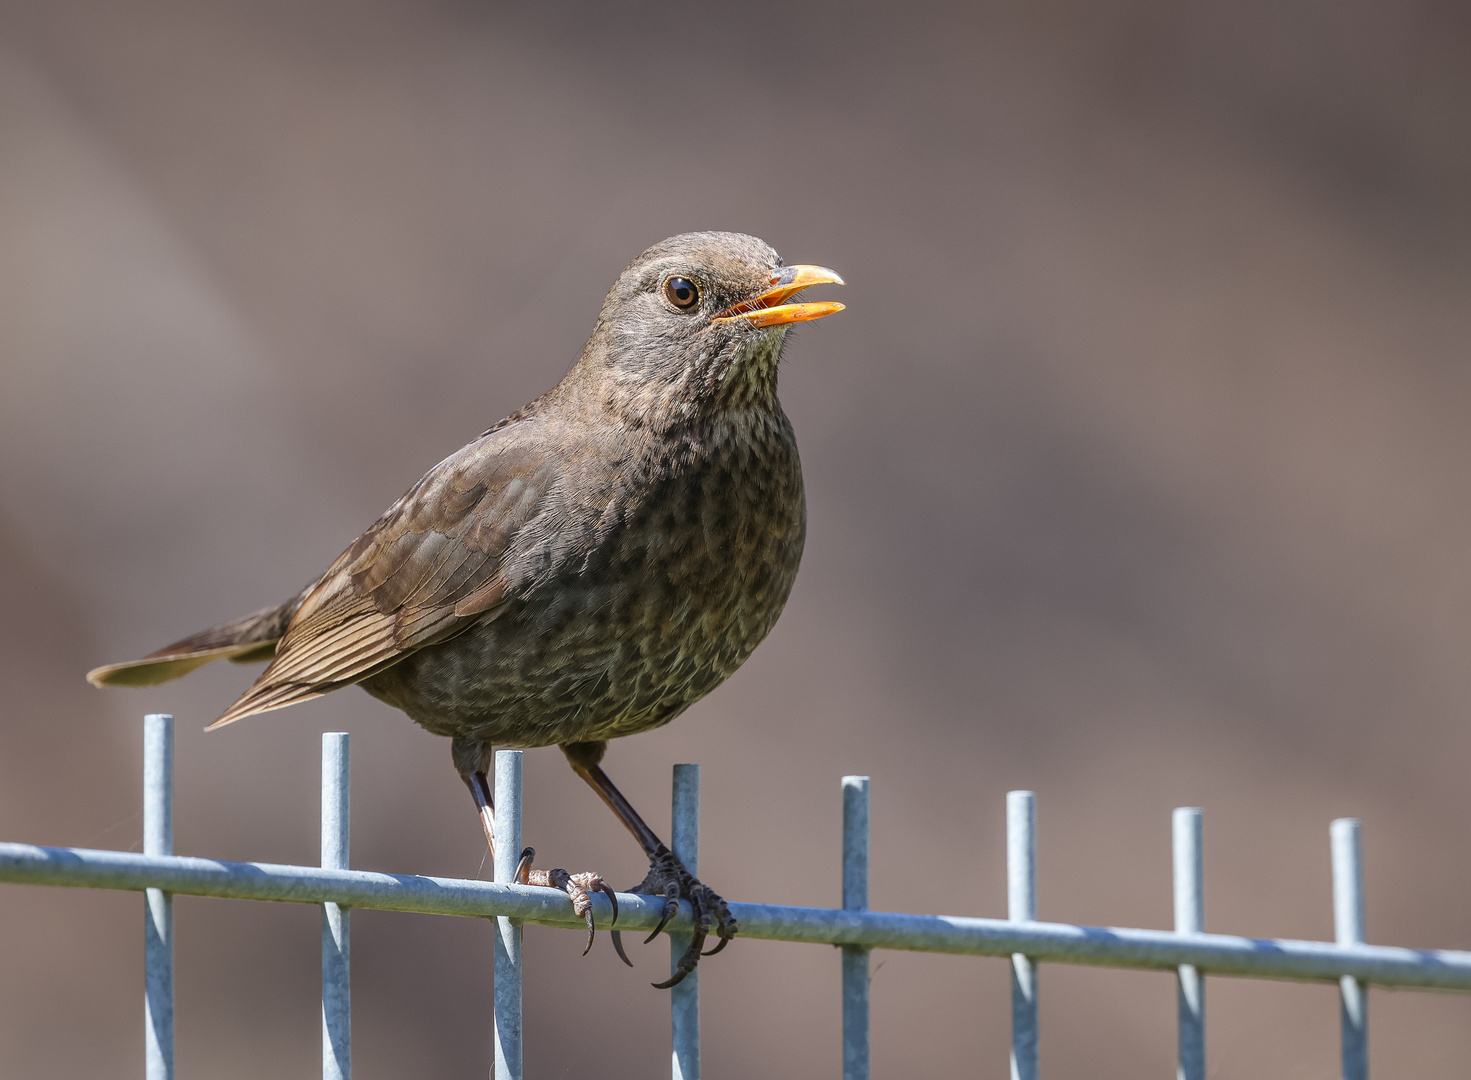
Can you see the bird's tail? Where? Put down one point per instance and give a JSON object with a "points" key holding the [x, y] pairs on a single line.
{"points": [[248, 638]]}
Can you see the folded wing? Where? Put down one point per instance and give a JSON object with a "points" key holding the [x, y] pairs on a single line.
{"points": [[426, 570]]}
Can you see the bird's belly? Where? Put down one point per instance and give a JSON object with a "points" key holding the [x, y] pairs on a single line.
{"points": [[665, 617]]}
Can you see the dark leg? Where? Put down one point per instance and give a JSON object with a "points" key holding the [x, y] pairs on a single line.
{"points": [[667, 876], [472, 760], [479, 785]]}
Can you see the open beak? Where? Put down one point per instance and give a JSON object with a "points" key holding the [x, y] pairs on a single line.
{"points": [[770, 309]]}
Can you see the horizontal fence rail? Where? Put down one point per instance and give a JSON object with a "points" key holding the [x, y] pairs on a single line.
{"points": [[1163, 950], [1187, 951]]}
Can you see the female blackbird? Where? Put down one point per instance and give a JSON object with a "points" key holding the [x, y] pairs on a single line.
{"points": [[589, 567]]}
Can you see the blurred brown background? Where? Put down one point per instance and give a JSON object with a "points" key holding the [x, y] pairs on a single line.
{"points": [[1137, 474]]}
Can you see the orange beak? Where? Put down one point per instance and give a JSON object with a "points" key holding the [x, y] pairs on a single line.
{"points": [[768, 309]]}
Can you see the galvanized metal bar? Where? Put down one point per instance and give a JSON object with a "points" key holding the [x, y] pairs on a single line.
{"points": [[336, 940], [158, 904], [1021, 906], [684, 999], [508, 929], [1190, 919], [1158, 950], [855, 957], [1348, 927]]}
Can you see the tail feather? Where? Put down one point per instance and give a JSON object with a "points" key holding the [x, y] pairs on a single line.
{"points": [[251, 637]]}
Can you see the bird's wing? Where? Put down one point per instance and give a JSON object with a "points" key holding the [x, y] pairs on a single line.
{"points": [[425, 570]]}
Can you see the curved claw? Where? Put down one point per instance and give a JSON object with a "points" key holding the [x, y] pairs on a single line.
{"points": [[671, 906], [691, 956], [590, 930], [687, 964], [617, 937], [607, 890], [523, 867], [727, 929]]}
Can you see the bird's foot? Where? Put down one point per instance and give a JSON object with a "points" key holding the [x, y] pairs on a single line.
{"points": [[667, 877], [579, 887]]}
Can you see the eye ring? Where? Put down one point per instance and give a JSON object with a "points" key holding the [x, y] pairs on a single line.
{"points": [[682, 293]]}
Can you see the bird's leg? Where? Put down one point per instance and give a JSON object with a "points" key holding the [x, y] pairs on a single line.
{"points": [[479, 785], [472, 760], [667, 876]]}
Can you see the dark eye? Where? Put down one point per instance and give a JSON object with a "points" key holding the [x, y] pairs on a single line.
{"points": [[681, 292]]}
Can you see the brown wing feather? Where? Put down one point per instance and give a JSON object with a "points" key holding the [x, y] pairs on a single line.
{"points": [[423, 572]]}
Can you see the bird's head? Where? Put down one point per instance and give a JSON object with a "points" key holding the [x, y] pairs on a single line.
{"points": [[697, 323]]}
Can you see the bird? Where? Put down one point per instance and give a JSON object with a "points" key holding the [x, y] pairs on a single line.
{"points": [[587, 569]]}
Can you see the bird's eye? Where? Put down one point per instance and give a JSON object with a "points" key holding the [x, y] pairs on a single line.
{"points": [[681, 292]]}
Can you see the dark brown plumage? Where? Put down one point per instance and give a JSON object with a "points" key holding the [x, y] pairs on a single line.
{"points": [[590, 566]]}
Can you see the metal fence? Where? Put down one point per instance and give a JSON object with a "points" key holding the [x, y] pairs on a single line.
{"points": [[1187, 950]]}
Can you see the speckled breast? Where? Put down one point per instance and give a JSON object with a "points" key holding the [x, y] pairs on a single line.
{"points": [[674, 596]]}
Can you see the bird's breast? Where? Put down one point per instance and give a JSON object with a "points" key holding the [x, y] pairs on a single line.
{"points": [[684, 568]]}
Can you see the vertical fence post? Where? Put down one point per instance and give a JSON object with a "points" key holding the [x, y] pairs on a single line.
{"points": [[684, 999], [158, 906], [855, 957], [508, 931], [336, 942], [1021, 906], [1348, 925], [1190, 919]]}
